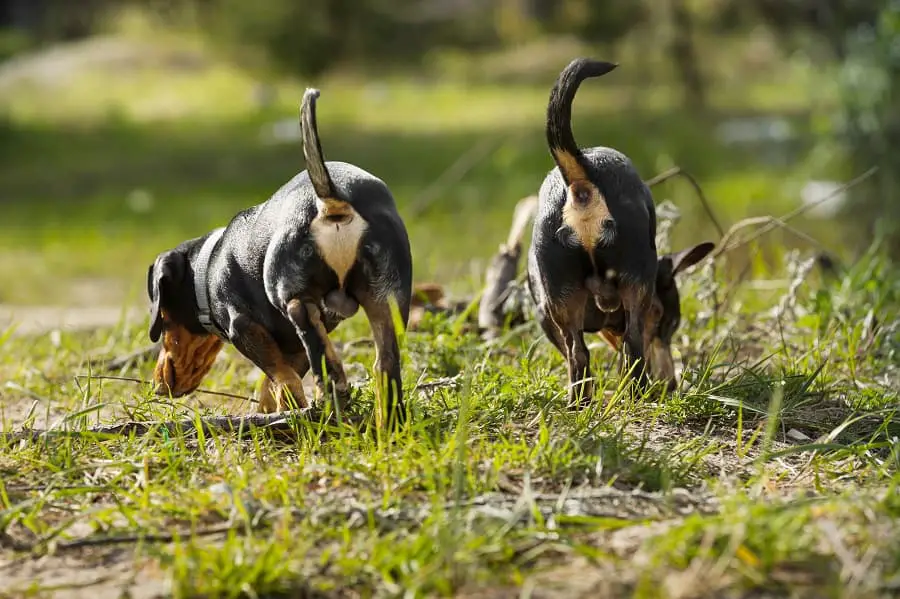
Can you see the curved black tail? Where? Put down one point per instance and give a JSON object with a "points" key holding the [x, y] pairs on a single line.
{"points": [[562, 144], [312, 150]]}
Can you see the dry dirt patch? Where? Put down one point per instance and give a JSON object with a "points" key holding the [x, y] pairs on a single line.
{"points": [[94, 574], [35, 320]]}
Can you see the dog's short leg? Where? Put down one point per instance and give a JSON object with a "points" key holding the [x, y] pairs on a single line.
{"points": [[254, 341], [307, 319], [553, 334], [636, 300], [614, 341], [581, 390], [570, 324], [272, 394], [388, 384]]}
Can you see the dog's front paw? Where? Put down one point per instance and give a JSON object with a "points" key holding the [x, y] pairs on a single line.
{"points": [[264, 399], [281, 396]]}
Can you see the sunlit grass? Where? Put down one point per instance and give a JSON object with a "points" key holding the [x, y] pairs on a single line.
{"points": [[493, 482]]}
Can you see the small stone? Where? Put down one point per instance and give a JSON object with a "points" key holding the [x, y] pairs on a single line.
{"points": [[796, 435]]}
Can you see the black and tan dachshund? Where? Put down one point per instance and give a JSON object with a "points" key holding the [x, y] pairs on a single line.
{"points": [[280, 277], [495, 313], [593, 249]]}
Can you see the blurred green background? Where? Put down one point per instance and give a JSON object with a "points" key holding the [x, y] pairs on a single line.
{"points": [[127, 127]]}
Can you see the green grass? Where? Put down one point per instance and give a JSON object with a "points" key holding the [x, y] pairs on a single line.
{"points": [[493, 483]]}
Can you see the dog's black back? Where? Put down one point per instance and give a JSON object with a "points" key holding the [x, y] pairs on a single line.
{"points": [[270, 248]]}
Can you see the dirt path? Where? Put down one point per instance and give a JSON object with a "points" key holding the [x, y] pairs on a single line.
{"points": [[81, 574], [34, 320], [90, 573]]}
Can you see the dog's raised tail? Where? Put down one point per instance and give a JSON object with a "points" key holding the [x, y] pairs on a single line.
{"points": [[312, 149], [565, 151]]}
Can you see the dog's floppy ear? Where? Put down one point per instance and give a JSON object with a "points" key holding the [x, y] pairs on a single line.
{"points": [[686, 258], [163, 277]]}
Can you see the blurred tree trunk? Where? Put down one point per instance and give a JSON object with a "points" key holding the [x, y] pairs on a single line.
{"points": [[24, 15], [684, 55], [542, 10]]}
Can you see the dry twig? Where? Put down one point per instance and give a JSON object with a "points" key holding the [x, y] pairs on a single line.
{"points": [[129, 379], [284, 422], [773, 223], [454, 173], [676, 171], [119, 362]]}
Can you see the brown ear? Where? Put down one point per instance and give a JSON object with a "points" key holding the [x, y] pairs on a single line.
{"points": [[162, 278], [684, 259]]}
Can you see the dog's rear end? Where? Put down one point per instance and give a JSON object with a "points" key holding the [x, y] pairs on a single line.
{"points": [[356, 231], [593, 239]]}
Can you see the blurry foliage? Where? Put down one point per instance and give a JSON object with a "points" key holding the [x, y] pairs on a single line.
{"points": [[870, 122], [829, 20], [13, 42], [307, 38], [310, 37], [597, 22], [862, 37]]}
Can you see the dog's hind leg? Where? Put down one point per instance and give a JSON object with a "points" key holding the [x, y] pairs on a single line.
{"points": [[569, 322], [636, 300], [552, 331], [581, 390], [254, 341], [313, 332], [388, 383]]}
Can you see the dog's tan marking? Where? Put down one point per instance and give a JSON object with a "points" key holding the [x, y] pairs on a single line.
{"points": [[614, 341], [572, 172], [337, 231], [184, 359], [278, 394], [586, 218]]}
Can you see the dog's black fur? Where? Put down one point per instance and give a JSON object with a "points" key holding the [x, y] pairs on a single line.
{"points": [[594, 240], [273, 282]]}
